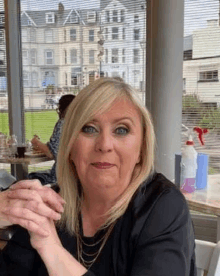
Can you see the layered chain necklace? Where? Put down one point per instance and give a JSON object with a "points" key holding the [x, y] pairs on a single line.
{"points": [[100, 243]]}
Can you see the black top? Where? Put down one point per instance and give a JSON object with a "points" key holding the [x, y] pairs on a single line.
{"points": [[153, 238]]}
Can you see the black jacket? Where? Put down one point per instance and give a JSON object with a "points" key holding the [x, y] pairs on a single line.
{"points": [[153, 238]]}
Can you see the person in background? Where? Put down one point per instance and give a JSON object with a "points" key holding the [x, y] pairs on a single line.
{"points": [[115, 215], [51, 148]]}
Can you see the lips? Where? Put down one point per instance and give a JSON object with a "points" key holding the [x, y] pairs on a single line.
{"points": [[103, 165]]}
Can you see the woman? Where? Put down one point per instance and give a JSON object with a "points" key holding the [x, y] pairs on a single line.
{"points": [[120, 217], [51, 148]]}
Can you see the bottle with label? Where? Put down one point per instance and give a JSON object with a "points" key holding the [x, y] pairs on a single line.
{"points": [[188, 167]]}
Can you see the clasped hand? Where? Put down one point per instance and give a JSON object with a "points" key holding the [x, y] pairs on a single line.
{"points": [[34, 207]]}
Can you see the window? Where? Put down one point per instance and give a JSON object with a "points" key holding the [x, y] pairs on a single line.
{"points": [[136, 34], [50, 18], [91, 16], [114, 55], [34, 79], [73, 56], [106, 55], [136, 56], [106, 33], [136, 18], [91, 56], [115, 16], [32, 35], [107, 16], [64, 35], [25, 79], [74, 80], [123, 55], [66, 78], [123, 33], [49, 36], [114, 33], [49, 57], [123, 75], [73, 34], [208, 76], [2, 37], [91, 35], [25, 57], [74, 18], [122, 15], [65, 56], [49, 78], [33, 56]]}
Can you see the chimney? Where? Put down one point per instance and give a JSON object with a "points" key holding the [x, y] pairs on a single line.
{"points": [[60, 7]]}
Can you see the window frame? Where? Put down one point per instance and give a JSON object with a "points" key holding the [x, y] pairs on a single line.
{"points": [[33, 51], [73, 35], [50, 16], [208, 76], [136, 34], [115, 16], [73, 56], [25, 59], [115, 56], [122, 14], [46, 35], [107, 16], [136, 18], [92, 57], [46, 57], [91, 35], [136, 56], [115, 35]]}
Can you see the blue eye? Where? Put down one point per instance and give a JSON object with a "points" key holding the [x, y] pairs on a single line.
{"points": [[122, 131], [88, 129]]}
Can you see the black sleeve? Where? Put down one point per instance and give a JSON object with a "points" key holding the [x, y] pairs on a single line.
{"points": [[17, 258], [166, 243]]}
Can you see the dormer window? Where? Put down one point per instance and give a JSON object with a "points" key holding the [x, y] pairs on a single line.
{"points": [[50, 18], [91, 16], [74, 18]]}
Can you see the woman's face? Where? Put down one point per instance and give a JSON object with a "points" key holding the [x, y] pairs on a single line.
{"points": [[108, 148]]}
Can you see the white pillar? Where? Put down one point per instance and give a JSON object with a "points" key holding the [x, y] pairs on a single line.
{"points": [[164, 78]]}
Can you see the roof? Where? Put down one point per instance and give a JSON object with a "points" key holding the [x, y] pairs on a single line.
{"points": [[61, 17], [188, 43], [131, 5]]}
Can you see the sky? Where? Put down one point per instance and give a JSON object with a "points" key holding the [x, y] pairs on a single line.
{"points": [[196, 12]]}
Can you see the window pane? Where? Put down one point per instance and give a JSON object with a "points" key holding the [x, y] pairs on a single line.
{"points": [[201, 88]]}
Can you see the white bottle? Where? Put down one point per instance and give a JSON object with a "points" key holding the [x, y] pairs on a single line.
{"points": [[188, 167]]}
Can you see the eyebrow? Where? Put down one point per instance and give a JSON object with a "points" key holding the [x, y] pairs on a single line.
{"points": [[117, 120]]}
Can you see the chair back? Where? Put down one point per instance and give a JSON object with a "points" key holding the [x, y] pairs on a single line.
{"points": [[207, 258]]}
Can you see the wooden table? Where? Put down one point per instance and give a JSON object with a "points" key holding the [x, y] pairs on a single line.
{"points": [[207, 201], [20, 165]]}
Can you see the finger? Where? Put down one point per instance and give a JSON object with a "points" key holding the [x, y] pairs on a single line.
{"points": [[36, 185], [24, 195], [42, 209], [27, 184], [26, 219], [47, 195], [52, 198]]}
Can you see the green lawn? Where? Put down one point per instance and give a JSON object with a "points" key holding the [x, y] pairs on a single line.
{"points": [[40, 123]]}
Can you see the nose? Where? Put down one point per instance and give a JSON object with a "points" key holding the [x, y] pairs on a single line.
{"points": [[104, 142]]}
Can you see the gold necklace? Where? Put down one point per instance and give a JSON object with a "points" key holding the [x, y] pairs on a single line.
{"points": [[80, 251]]}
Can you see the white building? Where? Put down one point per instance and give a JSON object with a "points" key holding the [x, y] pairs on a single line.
{"points": [[202, 63], [124, 25], [59, 48]]}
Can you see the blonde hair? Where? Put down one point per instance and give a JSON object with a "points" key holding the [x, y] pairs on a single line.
{"points": [[93, 99]]}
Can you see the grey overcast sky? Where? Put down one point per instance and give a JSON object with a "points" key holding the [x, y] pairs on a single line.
{"points": [[197, 12]]}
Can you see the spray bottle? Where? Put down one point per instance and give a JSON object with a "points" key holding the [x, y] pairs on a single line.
{"points": [[188, 167]]}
